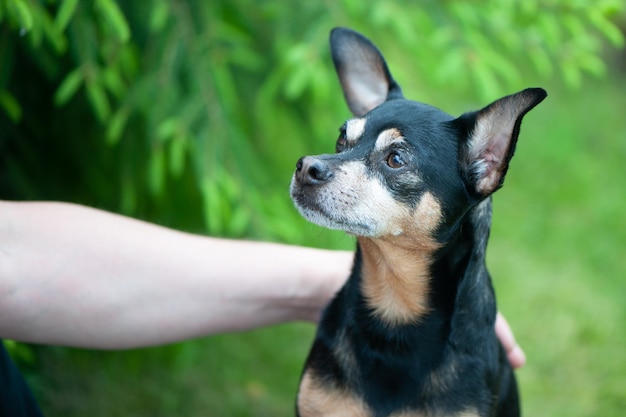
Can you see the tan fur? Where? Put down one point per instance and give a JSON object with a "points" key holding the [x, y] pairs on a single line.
{"points": [[441, 379], [386, 138], [317, 400], [344, 354], [396, 267]]}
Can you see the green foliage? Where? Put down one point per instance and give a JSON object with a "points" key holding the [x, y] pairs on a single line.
{"points": [[208, 94], [21, 353]]}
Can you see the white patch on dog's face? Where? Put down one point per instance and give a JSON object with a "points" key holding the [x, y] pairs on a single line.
{"points": [[355, 129], [354, 202]]}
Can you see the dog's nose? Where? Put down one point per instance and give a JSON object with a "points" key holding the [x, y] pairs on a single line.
{"points": [[312, 171]]}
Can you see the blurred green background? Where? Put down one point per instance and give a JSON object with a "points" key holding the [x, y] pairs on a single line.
{"points": [[192, 115]]}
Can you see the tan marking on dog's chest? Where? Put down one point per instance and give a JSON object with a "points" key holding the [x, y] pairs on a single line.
{"points": [[396, 269], [395, 282], [319, 399], [316, 399]]}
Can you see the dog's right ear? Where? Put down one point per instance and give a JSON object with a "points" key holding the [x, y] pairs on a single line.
{"points": [[362, 70]]}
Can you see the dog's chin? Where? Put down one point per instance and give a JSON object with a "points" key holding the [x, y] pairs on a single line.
{"points": [[319, 217], [320, 214]]}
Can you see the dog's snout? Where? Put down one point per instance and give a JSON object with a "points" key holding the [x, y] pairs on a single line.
{"points": [[311, 170]]}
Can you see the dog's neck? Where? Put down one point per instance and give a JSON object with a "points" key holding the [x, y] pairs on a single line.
{"points": [[474, 309], [395, 280], [445, 288]]}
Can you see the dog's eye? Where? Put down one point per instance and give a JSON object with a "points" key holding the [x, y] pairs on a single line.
{"points": [[341, 143], [394, 160]]}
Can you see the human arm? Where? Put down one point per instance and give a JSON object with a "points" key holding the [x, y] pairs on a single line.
{"points": [[76, 276]]}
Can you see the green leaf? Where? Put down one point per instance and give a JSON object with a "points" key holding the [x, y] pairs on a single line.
{"points": [[129, 60], [159, 15], [466, 14], [23, 14], [115, 126], [21, 352], [502, 66], [56, 37], [211, 207], [113, 81], [64, 15], [448, 67], [541, 61], [115, 18], [238, 221], [355, 7], [297, 82], [529, 7], [574, 25], [167, 129], [178, 148], [550, 28], [592, 64], [128, 195], [381, 13], [11, 106], [571, 75], [99, 101], [485, 80], [68, 87], [443, 37], [608, 29], [224, 84], [247, 58], [296, 55], [156, 174]]}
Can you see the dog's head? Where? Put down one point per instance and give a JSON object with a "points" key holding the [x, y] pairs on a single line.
{"points": [[403, 168]]}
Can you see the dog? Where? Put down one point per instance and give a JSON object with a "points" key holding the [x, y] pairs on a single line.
{"points": [[411, 333]]}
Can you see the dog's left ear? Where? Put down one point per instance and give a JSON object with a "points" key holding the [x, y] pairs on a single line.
{"points": [[491, 135]]}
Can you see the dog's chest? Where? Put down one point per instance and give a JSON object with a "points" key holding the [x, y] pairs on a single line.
{"points": [[319, 395], [318, 399]]}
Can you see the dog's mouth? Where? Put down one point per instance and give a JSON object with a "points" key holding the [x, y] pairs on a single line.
{"points": [[313, 207], [307, 203]]}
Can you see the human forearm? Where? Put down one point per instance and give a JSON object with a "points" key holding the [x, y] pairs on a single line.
{"points": [[83, 277]]}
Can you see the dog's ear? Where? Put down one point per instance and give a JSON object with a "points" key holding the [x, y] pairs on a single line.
{"points": [[490, 138], [362, 70]]}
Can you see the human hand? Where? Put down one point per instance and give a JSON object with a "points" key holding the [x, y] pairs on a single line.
{"points": [[514, 353]]}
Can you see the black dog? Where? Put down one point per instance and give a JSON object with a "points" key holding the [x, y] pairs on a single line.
{"points": [[412, 331]]}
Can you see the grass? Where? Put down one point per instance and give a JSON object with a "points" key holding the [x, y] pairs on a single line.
{"points": [[249, 374], [556, 254]]}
